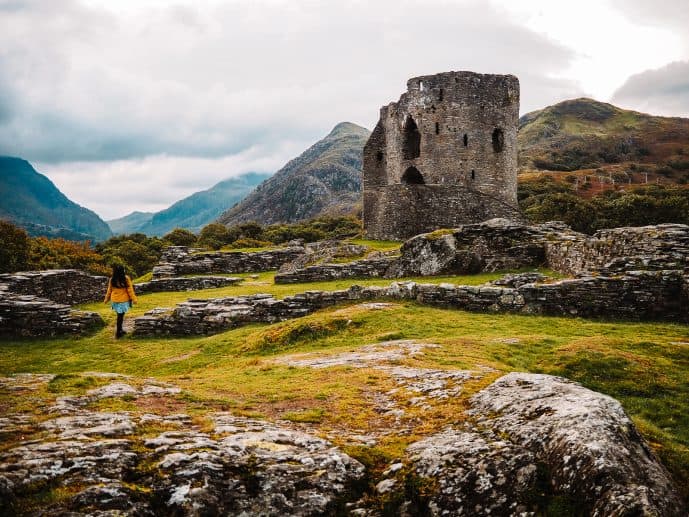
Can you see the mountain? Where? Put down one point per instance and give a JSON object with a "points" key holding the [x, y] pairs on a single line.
{"points": [[324, 179], [32, 201], [193, 212], [129, 223], [586, 134]]}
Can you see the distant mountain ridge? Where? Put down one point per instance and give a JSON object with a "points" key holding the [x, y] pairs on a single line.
{"points": [[324, 179], [192, 212], [30, 200]]}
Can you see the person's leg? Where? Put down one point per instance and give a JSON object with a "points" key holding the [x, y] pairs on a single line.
{"points": [[120, 320]]}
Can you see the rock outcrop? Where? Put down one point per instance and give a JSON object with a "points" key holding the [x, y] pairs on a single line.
{"points": [[238, 467], [537, 439], [528, 443]]}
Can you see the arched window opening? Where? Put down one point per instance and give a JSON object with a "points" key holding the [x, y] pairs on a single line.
{"points": [[420, 86], [466, 139], [473, 174], [379, 156], [498, 140], [440, 95], [411, 141], [437, 128], [412, 176]]}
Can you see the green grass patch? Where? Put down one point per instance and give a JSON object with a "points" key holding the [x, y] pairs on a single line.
{"points": [[644, 365]]}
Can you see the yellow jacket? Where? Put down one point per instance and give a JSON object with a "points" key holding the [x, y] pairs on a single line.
{"points": [[120, 294]]}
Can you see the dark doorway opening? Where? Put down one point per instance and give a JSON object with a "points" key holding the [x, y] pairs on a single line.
{"points": [[466, 139], [411, 146], [412, 176]]}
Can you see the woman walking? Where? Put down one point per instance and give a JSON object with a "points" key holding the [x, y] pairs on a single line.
{"points": [[121, 294]]}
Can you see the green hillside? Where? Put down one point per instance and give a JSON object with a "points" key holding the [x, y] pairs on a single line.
{"points": [[586, 134], [32, 201]]}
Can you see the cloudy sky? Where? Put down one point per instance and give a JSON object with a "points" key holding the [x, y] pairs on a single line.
{"points": [[133, 104]]}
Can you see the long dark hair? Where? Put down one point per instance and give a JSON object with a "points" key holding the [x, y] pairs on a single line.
{"points": [[118, 277]]}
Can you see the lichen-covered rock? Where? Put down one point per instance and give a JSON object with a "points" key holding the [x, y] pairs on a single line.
{"points": [[537, 439], [591, 448], [245, 467]]}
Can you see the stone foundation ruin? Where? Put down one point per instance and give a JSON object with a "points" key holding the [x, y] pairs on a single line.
{"points": [[445, 154]]}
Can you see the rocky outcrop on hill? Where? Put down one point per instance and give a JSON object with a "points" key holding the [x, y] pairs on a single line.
{"points": [[494, 245], [238, 467]]}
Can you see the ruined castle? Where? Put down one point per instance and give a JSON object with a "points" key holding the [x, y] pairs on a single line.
{"points": [[444, 155]]}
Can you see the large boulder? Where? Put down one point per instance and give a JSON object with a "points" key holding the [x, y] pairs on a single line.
{"points": [[494, 245], [539, 441]]}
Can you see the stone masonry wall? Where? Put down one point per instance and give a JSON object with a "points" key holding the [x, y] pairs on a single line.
{"points": [[24, 316], [448, 150], [67, 286], [366, 268], [185, 284], [180, 260], [37, 303], [643, 295], [663, 246]]}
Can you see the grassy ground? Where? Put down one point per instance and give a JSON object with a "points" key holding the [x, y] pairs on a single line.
{"points": [[644, 365]]}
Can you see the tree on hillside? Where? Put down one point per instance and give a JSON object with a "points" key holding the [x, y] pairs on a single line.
{"points": [[14, 248], [180, 237]]}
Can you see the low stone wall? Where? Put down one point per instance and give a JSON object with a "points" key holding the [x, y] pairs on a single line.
{"points": [[366, 268], [180, 260], [30, 316], [68, 286], [639, 295], [185, 284], [663, 246]]}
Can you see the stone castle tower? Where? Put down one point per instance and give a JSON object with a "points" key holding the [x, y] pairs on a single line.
{"points": [[444, 155]]}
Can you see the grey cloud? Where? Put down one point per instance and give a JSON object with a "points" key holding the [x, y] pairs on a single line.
{"points": [[659, 12], [210, 80], [663, 91]]}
